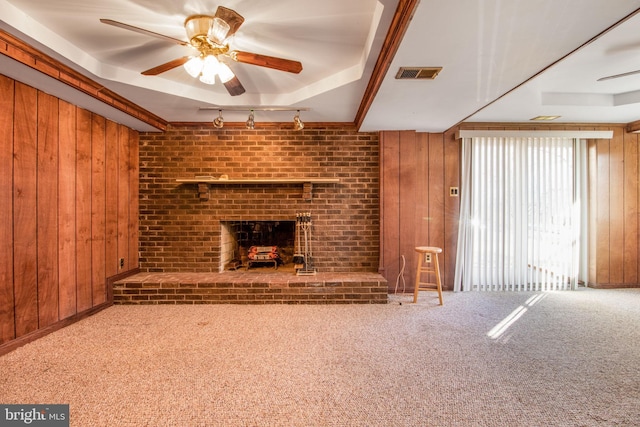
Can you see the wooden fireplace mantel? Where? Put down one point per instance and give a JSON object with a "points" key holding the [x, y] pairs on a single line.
{"points": [[307, 183]]}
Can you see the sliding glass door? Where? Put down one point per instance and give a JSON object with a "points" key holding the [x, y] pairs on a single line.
{"points": [[520, 214]]}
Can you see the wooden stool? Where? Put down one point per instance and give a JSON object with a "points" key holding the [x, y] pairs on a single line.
{"points": [[432, 267]]}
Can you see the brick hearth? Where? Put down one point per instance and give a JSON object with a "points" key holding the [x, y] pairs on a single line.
{"points": [[249, 287]]}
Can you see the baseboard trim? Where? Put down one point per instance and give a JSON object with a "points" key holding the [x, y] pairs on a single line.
{"points": [[32, 336], [111, 280], [613, 285]]}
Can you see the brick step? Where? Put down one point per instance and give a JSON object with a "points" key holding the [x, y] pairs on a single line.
{"points": [[246, 287]]}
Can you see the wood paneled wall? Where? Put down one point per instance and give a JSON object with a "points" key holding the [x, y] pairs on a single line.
{"points": [[68, 209], [417, 171], [614, 206]]}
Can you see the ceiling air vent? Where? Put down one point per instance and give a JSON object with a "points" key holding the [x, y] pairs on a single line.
{"points": [[413, 73]]}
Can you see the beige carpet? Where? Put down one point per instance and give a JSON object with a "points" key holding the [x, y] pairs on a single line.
{"points": [[567, 359]]}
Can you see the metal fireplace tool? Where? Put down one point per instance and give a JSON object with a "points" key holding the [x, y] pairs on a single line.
{"points": [[303, 256]]}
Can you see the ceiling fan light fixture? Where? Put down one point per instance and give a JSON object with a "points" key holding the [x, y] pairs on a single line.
{"points": [[210, 65], [198, 26], [194, 66], [209, 79], [218, 122], [209, 34], [250, 121], [210, 68], [224, 72], [297, 122], [231, 17], [219, 30]]}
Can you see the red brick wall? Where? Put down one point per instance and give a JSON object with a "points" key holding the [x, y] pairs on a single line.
{"points": [[180, 233]]}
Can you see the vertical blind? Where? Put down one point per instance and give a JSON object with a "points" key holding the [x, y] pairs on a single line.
{"points": [[519, 214]]}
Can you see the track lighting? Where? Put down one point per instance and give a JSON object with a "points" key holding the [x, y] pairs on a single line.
{"points": [[250, 122], [218, 122], [297, 123]]}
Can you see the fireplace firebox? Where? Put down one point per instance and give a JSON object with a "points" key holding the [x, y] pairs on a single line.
{"points": [[257, 244]]}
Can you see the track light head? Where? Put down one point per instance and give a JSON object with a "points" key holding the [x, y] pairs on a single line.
{"points": [[297, 122], [250, 121], [218, 122]]}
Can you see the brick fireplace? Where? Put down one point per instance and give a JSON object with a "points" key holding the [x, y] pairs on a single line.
{"points": [[182, 232]]}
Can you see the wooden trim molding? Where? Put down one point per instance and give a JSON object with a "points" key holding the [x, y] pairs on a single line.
{"points": [[307, 184], [111, 280], [633, 127], [582, 134], [39, 333], [33, 58], [399, 24]]}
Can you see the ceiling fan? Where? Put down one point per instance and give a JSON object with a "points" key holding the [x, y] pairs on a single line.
{"points": [[209, 36], [616, 76]]}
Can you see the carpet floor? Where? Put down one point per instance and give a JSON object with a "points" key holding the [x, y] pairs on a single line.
{"points": [[482, 359]]}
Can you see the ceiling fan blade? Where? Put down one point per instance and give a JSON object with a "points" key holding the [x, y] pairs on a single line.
{"points": [[266, 61], [231, 17], [234, 87], [166, 66], [143, 31], [615, 76]]}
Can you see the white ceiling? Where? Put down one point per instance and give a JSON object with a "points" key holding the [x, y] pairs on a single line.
{"points": [[489, 51]]}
